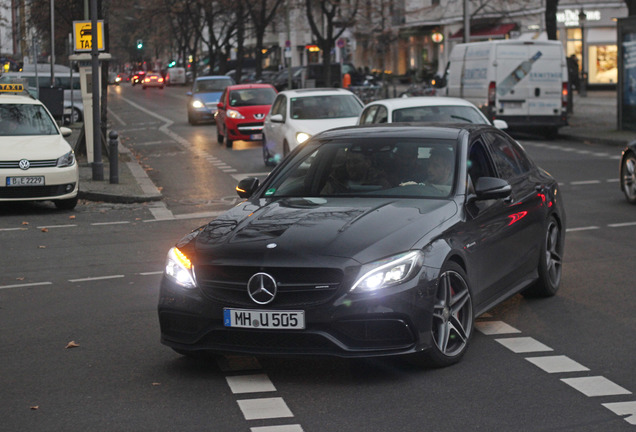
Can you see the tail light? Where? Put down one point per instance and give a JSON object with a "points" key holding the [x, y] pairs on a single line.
{"points": [[492, 94], [564, 97]]}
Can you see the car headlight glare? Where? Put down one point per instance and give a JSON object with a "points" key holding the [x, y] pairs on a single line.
{"points": [[197, 104], [301, 137], [179, 269], [388, 272], [234, 114], [66, 161]]}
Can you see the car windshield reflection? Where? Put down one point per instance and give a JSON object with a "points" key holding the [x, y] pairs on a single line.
{"points": [[396, 168], [25, 119]]}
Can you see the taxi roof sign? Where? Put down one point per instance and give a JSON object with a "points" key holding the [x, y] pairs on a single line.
{"points": [[11, 88], [83, 35]]}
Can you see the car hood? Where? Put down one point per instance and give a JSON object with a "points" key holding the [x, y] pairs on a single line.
{"points": [[208, 97], [39, 147], [314, 126], [292, 230]]}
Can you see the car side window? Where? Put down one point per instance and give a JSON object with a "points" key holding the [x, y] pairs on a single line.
{"points": [[279, 106], [368, 114], [381, 115], [479, 164], [504, 156]]}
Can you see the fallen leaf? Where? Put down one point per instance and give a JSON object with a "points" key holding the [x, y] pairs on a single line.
{"points": [[45, 230], [72, 344], [160, 188], [41, 247], [20, 278], [25, 223], [156, 384], [35, 407], [72, 217]]}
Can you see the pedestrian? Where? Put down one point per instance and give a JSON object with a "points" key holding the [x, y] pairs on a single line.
{"points": [[573, 72]]}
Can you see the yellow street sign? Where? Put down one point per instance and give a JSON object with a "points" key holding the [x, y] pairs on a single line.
{"points": [[83, 35]]}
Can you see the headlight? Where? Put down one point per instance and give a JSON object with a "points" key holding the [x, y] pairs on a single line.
{"points": [[180, 269], [301, 137], [197, 104], [234, 114], [388, 272], [66, 161]]}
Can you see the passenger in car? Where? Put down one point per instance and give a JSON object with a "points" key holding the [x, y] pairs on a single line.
{"points": [[357, 173]]}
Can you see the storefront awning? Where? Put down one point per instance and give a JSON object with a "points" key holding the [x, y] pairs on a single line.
{"points": [[498, 31]]}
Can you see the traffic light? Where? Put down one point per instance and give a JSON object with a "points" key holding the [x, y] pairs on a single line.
{"points": [[140, 44]]}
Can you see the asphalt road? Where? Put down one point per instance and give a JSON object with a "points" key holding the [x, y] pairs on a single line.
{"points": [[91, 276]]}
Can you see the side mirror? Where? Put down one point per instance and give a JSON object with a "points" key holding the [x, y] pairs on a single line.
{"points": [[500, 124], [247, 186], [276, 118], [219, 105], [66, 132], [492, 188]]}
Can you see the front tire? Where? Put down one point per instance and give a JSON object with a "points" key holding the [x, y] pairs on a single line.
{"points": [[628, 177], [453, 319], [550, 263]]}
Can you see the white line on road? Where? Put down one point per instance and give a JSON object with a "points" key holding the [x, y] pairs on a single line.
{"points": [[582, 229], [585, 182], [265, 408], [110, 223], [25, 285], [523, 345], [250, 383], [57, 226], [96, 278], [151, 273], [596, 386], [13, 229], [557, 364]]}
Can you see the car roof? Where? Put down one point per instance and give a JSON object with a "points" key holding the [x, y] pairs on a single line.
{"points": [[213, 77], [397, 103], [13, 99], [249, 86], [315, 92], [405, 130]]}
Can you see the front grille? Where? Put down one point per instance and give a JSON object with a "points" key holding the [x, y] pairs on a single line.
{"points": [[36, 191], [248, 128], [296, 286], [34, 164]]}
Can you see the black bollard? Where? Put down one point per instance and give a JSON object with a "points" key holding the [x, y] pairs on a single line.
{"points": [[113, 157]]}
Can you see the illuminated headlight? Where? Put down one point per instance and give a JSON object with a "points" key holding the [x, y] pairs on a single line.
{"points": [[388, 272], [66, 161], [197, 104], [179, 268], [301, 137], [234, 114]]}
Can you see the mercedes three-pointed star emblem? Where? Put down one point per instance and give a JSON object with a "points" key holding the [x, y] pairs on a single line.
{"points": [[262, 288]]}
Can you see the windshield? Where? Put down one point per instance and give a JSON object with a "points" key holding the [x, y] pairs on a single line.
{"points": [[325, 107], [25, 119], [389, 167], [445, 114], [211, 85], [252, 96]]}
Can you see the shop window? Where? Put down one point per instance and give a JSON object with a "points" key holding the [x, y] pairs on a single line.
{"points": [[603, 64]]}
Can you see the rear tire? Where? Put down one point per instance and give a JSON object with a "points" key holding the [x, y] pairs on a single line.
{"points": [[453, 320], [628, 177], [550, 263]]}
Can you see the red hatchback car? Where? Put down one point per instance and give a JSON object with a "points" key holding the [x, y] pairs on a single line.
{"points": [[241, 112]]}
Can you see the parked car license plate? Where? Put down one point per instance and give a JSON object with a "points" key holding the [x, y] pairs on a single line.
{"points": [[256, 137], [513, 105], [265, 319], [25, 181]]}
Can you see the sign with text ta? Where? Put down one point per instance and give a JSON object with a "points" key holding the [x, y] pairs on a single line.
{"points": [[83, 35]]}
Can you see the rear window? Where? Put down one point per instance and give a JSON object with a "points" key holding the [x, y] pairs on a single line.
{"points": [[211, 85], [443, 114], [325, 107]]}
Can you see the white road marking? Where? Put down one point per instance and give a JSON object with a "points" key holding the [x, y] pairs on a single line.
{"points": [[110, 223], [250, 384], [57, 226], [266, 408], [13, 229], [495, 327], [595, 386], [523, 345], [281, 428], [151, 273], [96, 278], [585, 182], [557, 364], [623, 409], [25, 285], [620, 225], [582, 229]]}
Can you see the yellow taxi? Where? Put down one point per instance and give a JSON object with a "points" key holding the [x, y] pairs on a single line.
{"points": [[36, 161]]}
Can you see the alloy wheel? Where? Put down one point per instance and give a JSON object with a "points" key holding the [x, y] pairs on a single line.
{"points": [[553, 252], [628, 180], [452, 314]]}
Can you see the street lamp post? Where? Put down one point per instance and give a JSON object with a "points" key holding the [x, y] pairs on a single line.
{"points": [[583, 89]]}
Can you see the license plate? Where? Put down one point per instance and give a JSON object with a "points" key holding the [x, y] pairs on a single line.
{"points": [[513, 105], [263, 319], [256, 137], [25, 181]]}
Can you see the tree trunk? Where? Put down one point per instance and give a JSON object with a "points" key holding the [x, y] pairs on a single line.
{"points": [[550, 18]]}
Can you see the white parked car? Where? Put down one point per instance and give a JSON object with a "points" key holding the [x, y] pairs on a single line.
{"points": [[36, 162], [425, 109], [296, 115]]}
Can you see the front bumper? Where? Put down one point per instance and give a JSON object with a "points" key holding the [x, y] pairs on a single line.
{"points": [[59, 184], [245, 131], [345, 325]]}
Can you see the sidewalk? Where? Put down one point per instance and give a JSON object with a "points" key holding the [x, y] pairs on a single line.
{"points": [[594, 120]]}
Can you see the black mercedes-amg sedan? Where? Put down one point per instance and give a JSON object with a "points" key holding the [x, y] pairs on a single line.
{"points": [[369, 241]]}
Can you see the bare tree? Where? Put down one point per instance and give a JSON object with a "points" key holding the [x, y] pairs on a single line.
{"points": [[261, 12], [336, 16]]}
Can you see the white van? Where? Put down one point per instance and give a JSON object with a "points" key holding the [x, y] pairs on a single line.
{"points": [[524, 83], [176, 76]]}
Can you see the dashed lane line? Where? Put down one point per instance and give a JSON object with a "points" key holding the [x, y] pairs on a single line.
{"points": [[591, 386], [25, 285]]}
